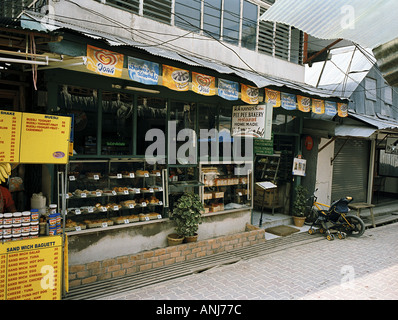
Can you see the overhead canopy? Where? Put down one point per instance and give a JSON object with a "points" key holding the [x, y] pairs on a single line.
{"points": [[33, 20], [369, 23], [353, 131], [376, 121]]}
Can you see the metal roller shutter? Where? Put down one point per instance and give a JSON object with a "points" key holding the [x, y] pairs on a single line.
{"points": [[350, 169]]}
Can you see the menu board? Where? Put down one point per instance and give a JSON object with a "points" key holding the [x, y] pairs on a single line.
{"points": [[31, 269], [34, 138], [10, 130]]}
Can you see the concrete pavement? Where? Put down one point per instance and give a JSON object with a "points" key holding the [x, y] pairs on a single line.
{"points": [[354, 268]]}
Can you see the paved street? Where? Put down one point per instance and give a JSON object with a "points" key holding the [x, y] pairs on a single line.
{"points": [[354, 268]]}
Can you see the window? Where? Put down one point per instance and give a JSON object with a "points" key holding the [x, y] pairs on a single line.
{"points": [[82, 104], [249, 25], [207, 122], [231, 22], [265, 36], [151, 114], [388, 95], [117, 119], [187, 14], [212, 18], [159, 10], [370, 89], [127, 5], [296, 46], [282, 41]]}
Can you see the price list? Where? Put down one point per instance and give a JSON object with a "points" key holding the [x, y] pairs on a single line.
{"points": [[44, 138], [31, 269], [10, 131], [34, 138]]}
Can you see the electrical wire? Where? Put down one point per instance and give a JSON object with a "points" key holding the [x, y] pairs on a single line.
{"points": [[365, 90], [131, 30]]}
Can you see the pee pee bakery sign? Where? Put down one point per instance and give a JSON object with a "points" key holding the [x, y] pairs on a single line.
{"points": [[252, 121]]}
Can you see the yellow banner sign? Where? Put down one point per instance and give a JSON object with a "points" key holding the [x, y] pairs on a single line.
{"points": [[342, 109], [104, 62], [10, 131], [318, 106], [44, 138], [203, 84], [304, 103], [249, 94], [175, 78], [31, 269], [273, 97]]}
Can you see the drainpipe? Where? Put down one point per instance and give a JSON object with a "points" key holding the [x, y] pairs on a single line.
{"points": [[371, 169]]}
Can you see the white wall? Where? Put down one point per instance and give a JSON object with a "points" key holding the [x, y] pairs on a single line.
{"points": [[324, 172], [97, 16]]}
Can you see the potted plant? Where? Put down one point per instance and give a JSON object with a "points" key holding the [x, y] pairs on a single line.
{"points": [[187, 214], [299, 206]]}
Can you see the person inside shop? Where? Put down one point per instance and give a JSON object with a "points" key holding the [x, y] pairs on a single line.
{"points": [[6, 202]]}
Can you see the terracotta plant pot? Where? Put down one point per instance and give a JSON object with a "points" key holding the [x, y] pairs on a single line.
{"points": [[174, 239], [191, 238], [298, 221]]}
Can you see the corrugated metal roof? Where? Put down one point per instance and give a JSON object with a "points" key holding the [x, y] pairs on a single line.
{"points": [[353, 131], [369, 23], [260, 80], [377, 122]]}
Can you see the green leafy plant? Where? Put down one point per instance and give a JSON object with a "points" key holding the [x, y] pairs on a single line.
{"points": [[187, 214], [300, 202]]}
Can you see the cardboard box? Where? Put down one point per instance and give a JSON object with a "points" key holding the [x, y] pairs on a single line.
{"points": [[218, 194], [207, 196]]}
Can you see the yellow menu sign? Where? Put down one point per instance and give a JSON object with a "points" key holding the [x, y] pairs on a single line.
{"points": [[31, 269], [34, 138], [10, 130], [44, 138]]}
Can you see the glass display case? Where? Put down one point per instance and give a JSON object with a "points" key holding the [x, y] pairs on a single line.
{"points": [[226, 186], [103, 193]]}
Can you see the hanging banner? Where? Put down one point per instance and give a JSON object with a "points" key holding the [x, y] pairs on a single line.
{"points": [[203, 84], [318, 106], [288, 101], [175, 78], [342, 109], [249, 94], [304, 103], [228, 90], [104, 62], [330, 108], [143, 71], [273, 97], [252, 121]]}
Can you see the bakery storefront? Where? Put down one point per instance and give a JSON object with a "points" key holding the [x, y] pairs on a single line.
{"points": [[146, 129], [143, 134]]}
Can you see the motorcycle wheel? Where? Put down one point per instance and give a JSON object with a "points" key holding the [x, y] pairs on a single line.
{"points": [[357, 229]]}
